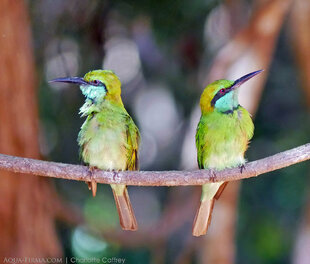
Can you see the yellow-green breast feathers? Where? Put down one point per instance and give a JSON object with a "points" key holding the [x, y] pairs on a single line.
{"points": [[222, 139], [109, 139]]}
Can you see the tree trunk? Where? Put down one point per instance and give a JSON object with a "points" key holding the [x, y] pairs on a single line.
{"points": [[26, 215]]}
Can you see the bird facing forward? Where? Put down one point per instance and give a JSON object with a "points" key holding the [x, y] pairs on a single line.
{"points": [[222, 137]]}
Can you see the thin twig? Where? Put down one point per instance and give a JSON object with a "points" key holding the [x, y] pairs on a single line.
{"points": [[154, 178]]}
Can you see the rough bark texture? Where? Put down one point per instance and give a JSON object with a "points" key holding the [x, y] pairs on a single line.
{"points": [[154, 178], [26, 218]]}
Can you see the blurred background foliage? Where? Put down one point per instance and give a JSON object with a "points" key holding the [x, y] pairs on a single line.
{"points": [[163, 52]]}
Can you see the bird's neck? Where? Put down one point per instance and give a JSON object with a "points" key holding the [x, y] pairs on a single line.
{"points": [[91, 106], [227, 103]]}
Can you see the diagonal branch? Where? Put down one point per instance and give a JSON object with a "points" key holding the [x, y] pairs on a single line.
{"points": [[154, 178]]}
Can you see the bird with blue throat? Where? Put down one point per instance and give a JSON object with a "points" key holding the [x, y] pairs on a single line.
{"points": [[222, 137], [108, 139]]}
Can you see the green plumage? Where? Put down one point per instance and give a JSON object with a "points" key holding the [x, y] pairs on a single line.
{"points": [[109, 139], [222, 137], [221, 140]]}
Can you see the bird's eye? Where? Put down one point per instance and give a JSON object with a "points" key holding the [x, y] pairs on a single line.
{"points": [[96, 82], [222, 91]]}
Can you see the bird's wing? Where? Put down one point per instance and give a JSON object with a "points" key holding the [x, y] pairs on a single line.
{"points": [[133, 141], [247, 123], [200, 143], [83, 139]]}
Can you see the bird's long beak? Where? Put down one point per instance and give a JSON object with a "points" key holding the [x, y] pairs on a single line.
{"points": [[244, 78], [75, 80]]}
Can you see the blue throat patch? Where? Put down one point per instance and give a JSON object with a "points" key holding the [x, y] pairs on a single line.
{"points": [[93, 92], [228, 103]]}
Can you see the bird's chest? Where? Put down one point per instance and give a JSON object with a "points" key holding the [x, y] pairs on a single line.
{"points": [[225, 141], [104, 144]]}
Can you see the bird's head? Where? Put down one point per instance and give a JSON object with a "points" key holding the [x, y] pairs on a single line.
{"points": [[97, 85], [223, 94]]}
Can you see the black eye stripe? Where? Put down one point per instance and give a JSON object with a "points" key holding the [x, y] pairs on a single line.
{"points": [[215, 98], [98, 83], [218, 95]]}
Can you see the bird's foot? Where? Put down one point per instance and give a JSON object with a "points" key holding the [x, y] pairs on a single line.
{"points": [[92, 185], [114, 175], [213, 175], [242, 168]]}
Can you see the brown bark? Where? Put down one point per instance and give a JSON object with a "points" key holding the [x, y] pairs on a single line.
{"points": [[26, 218], [154, 178], [300, 37]]}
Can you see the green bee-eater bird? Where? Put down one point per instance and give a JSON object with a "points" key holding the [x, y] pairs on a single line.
{"points": [[222, 137], [108, 139]]}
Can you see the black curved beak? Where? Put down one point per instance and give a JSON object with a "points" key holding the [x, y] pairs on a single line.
{"points": [[244, 78], [75, 80]]}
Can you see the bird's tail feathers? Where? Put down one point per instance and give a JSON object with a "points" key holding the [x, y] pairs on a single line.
{"points": [[210, 192], [220, 190], [203, 217], [126, 214]]}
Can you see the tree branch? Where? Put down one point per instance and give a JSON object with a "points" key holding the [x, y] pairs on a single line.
{"points": [[154, 178]]}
